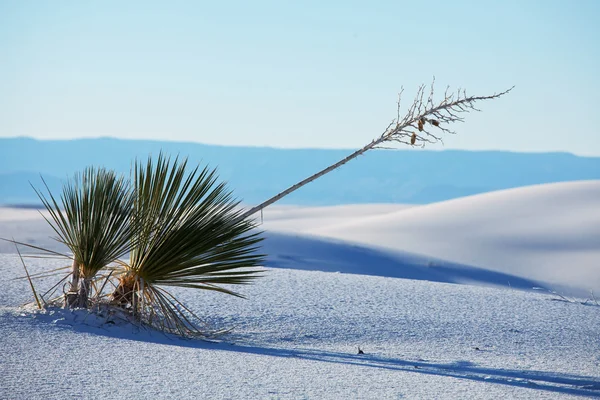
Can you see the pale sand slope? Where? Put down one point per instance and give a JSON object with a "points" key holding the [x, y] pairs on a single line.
{"points": [[540, 234], [10, 214], [298, 219], [544, 232], [305, 252], [297, 336]]}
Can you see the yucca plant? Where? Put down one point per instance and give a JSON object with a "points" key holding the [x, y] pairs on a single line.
{"points": [[93, 221], [187, 233], [185, 229], [181, 228]]}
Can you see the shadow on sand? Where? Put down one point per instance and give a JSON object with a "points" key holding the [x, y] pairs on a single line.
{"points": [[547, 381], [321, 254]]}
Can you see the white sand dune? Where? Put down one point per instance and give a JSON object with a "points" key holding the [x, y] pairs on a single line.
{"points": [[298, 219], [544, 232], [298, 333], [11, 214], [545, 235]]}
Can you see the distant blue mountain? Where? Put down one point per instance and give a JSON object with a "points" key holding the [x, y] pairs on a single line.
{"points": [[257, 173]]}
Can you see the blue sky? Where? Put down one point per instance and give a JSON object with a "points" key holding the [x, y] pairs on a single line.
{"points": [[298, 74]]}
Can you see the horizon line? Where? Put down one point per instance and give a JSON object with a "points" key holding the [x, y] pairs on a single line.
{"points": [[404, 148]]}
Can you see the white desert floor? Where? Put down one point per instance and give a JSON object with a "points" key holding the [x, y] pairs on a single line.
{"points": [[439, 298]]}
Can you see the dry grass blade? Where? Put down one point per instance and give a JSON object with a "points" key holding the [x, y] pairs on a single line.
{"points": [[35, 296], [55, 253]]}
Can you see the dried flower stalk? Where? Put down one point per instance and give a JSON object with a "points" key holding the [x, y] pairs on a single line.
{"points": [[425, 122]]}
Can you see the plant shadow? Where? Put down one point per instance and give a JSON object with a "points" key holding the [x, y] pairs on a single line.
{"points": [[556, 382]]}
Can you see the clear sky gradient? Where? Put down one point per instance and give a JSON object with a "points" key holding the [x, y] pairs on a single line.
{"points": [[298, 73]]}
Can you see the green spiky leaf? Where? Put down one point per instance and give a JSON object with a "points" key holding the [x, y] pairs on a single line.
{"points": [[188, 229], [93, 218]]}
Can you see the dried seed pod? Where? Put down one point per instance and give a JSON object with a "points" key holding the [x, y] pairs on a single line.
{"points": [[420, 124], [413, 138], [434, 122], [423, 120]]}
